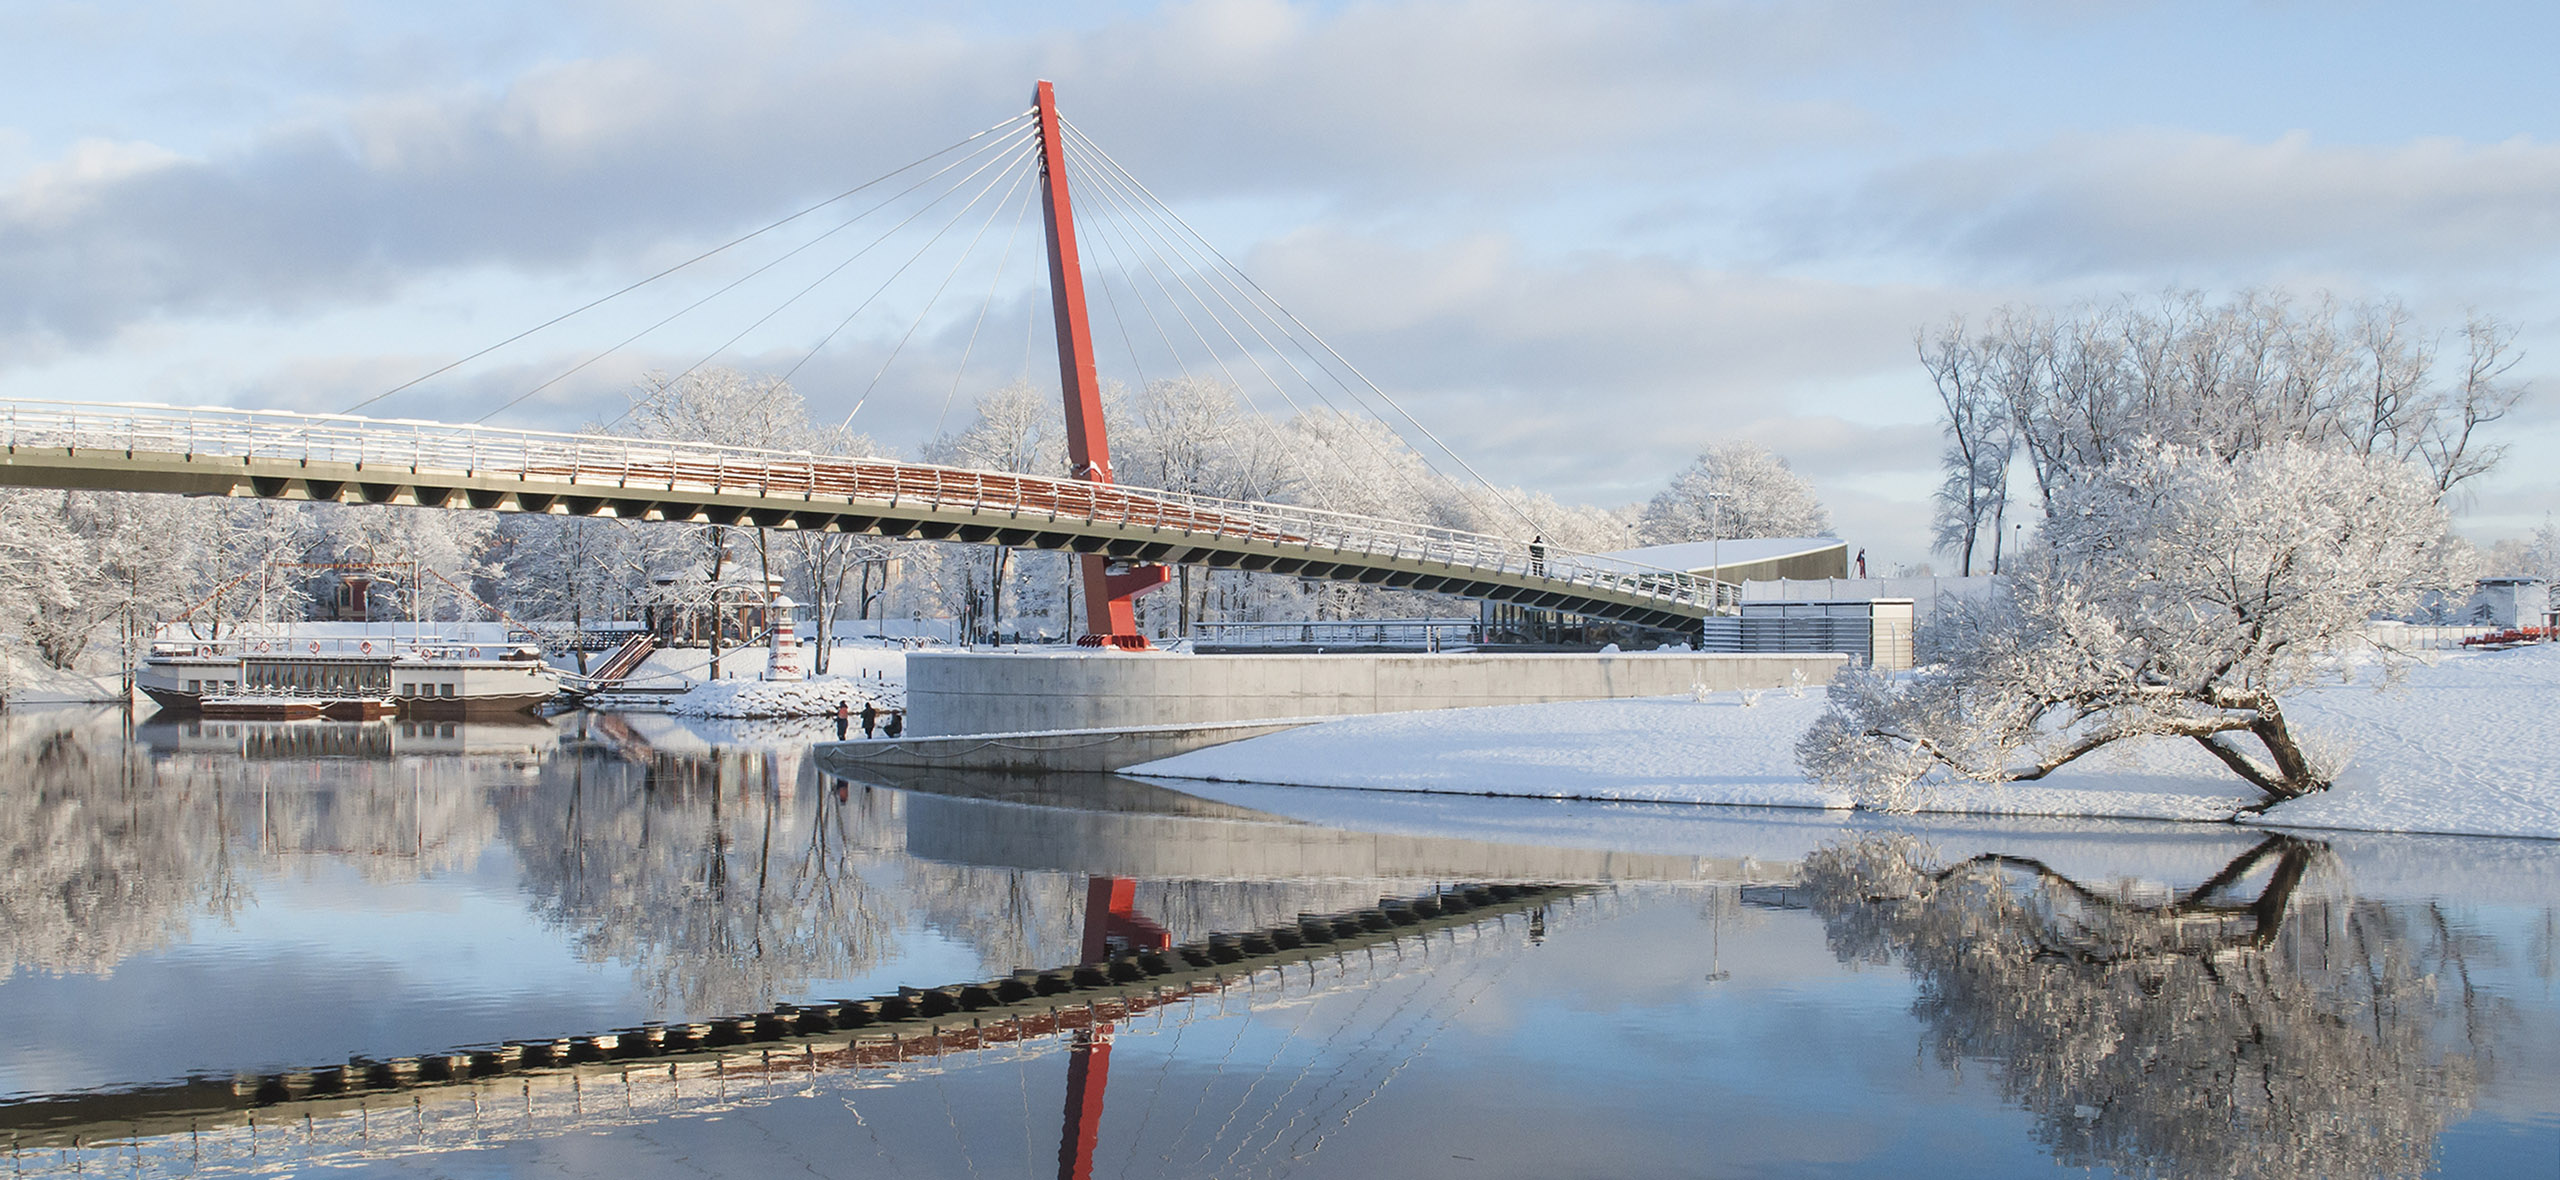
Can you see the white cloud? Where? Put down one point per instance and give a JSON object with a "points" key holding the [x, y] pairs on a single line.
{"points": [[2145, 202], [1454, 100]]}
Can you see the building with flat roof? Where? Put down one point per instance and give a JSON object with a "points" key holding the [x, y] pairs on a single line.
{"points": [[1732, 562]]}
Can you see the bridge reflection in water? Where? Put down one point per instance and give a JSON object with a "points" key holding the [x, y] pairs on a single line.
{"points": [[609, 794], [394, 1109], [2146, 1000]]}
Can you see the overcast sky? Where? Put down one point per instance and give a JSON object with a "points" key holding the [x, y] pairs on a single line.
{"points": [[1580, 241]]}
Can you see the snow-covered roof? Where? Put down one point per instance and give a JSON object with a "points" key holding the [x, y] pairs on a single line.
{"points": [[1702, 556]]}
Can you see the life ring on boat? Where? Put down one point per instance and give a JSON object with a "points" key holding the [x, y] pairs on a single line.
{"points": [[315, 647], [204, 651], [366, 647], [262, 647], [475, 653]]}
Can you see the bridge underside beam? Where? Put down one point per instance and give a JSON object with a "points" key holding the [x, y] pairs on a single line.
{"points": [[296, 480]]}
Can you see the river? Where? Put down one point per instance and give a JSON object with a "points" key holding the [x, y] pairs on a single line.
{"points": [[199, 919]]}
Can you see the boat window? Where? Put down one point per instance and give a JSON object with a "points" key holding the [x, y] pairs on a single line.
{"points": [[448, 690]]}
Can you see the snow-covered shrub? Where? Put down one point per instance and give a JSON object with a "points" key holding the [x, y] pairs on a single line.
{"points": [[2176, 594]]}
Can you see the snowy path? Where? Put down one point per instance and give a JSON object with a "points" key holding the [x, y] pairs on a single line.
{"points": [[2461, 747]]}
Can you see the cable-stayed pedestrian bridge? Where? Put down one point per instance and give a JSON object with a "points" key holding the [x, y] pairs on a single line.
{"points": [[354, 460]]}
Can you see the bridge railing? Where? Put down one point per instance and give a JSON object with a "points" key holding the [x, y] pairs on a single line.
{"points": [[422, 447]]}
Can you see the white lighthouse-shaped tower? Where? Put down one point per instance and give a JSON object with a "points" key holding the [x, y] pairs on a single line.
{"points": [[783, 662]]}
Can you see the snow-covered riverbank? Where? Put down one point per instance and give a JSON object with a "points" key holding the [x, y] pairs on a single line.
{"points": [[2464, 745]]}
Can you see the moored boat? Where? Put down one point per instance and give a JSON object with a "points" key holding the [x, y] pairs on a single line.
{"points": [[288, 677]]}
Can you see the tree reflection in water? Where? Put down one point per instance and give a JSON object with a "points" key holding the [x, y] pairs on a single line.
{"points": [[707, 873], [2248, 1027], [99, 860]]}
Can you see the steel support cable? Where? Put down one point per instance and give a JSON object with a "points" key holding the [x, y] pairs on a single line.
{"points": [[1164, 1068], [786, 256], [1418, 492], [1113, 228], [1111, 187], [1109, 191], [1232, 338], [740, 240], [1205, 271], [1112, 302], [989, 302], [1208, 348], [1164, 1158], [1305, 1014], [994, 211], [1030, 332], [1107, 234], [1440, 991], [1164, 212], [1374, 1041], [1078, 135], [1020, 155], [1346, 1117], [1118, 216], [1242, 1023], [1321, 1051]]}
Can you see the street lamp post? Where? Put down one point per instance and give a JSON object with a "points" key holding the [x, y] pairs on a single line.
{"points": [[1715, 548]]}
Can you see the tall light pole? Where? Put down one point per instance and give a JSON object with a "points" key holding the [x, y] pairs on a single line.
{"points": [[1715, 547]]}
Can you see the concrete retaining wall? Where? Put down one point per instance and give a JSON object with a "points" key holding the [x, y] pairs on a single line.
{"points": [[1077, 750], [952, 693]]}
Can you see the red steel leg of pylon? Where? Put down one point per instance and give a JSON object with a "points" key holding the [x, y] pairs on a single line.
{"points": [[1088, 1075], [1110, 617], [1110, 912]]}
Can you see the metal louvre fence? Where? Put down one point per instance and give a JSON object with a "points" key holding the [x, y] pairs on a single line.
{"points": [[422, 447], [1857, 637], [1398, 634]]}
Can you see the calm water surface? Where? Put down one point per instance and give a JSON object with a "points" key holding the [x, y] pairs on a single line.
{"points": [[1718, 993]]}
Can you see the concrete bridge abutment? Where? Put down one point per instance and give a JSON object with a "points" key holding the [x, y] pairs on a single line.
{"points": [[955, 693]]}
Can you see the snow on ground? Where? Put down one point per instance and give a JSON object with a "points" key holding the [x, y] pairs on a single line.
{"points": [[33, 682], [814, 697], [2468, 745], [858, 671], [668, 666], [2459, 746]]}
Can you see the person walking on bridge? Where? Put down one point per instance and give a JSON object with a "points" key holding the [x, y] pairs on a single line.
{"points": [[870, 718], [1538, 556], [844, 719]]}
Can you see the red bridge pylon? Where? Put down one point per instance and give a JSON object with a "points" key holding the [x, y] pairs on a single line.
{"points": [[1110, 612]]}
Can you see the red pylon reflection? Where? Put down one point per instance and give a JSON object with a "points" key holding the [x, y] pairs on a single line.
{"points": [[1112, 927]]}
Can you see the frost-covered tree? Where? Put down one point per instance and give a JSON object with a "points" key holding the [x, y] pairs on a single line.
{"points": [[1192, 435], [2175, 593], [1973, 498], [2535, 556], [456, 546], [236, 541], [1016, 429], [2078, 388], [82, 566], [1738, 489]]}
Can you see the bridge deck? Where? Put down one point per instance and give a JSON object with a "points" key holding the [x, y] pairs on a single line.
{"points": [[224, 452]]}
